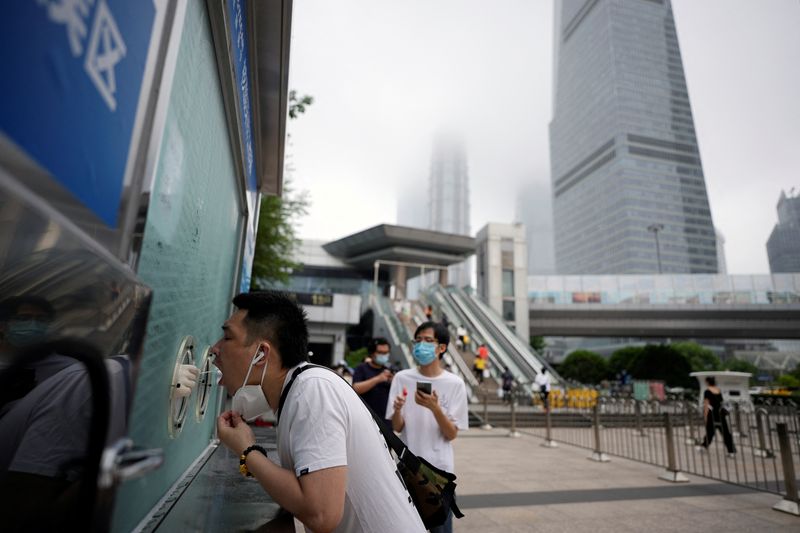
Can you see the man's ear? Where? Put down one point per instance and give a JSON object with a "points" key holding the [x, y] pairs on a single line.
{"points": [[264, 351]]}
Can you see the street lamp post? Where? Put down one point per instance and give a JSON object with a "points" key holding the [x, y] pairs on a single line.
{"points": [[655, 228]]}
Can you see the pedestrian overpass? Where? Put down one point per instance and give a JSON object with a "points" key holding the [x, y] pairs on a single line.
{"points": [[670, 305], [723, 321]]}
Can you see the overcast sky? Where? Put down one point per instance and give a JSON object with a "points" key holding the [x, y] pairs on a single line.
{"points": [[386, 74]]}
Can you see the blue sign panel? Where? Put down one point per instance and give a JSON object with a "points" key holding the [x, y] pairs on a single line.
{"points": [[70, 77], [237, 22], [237, 27]]}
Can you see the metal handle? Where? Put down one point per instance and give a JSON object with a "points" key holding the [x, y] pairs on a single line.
{"points": [[122, 462]]}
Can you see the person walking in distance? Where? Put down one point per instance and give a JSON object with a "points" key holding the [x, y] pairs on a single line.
{"points": [[715, 416], [508, 383], [542, 382]]}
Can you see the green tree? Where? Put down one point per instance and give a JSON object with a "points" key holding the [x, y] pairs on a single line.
{"points": [[623, 359], [788, 380], [537, 343], [297, 104], [584, 366], [739, 365], [276, 239], [700, 358], [796, 371], [663, 362]]}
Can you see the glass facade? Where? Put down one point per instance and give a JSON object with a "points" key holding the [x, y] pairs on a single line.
{"points": [[667, 289], [783, 246], [624, 153]]}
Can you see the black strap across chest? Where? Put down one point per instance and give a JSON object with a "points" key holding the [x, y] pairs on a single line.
{"points": [[394, 442]]}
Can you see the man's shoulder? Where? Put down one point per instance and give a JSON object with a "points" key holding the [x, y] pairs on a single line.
{"points": [[407, 373]]}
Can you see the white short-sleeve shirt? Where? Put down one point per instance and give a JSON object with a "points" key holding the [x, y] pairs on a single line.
{"points": [[325, 424], [421, 432]]}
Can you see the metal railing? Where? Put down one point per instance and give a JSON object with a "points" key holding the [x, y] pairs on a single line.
{"points": [[765, 442]]}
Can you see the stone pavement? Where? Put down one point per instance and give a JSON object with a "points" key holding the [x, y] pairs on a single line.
{"points": [[514, 484]]}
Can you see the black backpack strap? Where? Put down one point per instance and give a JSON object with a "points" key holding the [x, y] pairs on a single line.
{"points": [[394, 442], [285, 393]]}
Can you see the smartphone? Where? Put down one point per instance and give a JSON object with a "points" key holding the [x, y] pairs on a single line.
{"points": [[424, 386]]}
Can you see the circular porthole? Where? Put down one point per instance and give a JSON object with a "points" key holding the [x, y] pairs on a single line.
{"points": [[179, 405], [204, 384]]}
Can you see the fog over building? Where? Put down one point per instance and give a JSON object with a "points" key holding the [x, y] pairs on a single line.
{"points": [[624, 152], [783, 246], [534, 210]]}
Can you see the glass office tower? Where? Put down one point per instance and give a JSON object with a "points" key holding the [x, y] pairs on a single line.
{"points": [[783, 246], [628, 187], [448, 197]]}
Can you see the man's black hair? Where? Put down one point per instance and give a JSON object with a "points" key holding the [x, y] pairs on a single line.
{"points": [[275, 316], [439, 331], [711, 381], [374, 343]]}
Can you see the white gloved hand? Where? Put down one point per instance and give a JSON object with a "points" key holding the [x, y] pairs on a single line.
{"points": [[186, 380]]}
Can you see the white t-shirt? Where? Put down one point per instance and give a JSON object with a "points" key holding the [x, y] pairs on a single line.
{"points": [[421, 432], [324, 424], [542, 379]]}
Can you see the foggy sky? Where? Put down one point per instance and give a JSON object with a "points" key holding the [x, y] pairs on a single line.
{"points": [[385, 75]]}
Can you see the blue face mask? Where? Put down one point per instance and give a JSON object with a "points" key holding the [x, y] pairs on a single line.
{"points": [[21, 333], [424, 353], [382, 359]]}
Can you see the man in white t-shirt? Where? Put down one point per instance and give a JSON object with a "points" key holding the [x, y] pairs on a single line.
{"points": [[429, 422], [542, 381], [336, 472]]}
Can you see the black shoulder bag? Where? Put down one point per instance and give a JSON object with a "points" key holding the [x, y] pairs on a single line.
{"points": [[432, 489]]}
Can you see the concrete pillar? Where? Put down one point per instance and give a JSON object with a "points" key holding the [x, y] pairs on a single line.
{"points": [[400, 278], [443, 277]]}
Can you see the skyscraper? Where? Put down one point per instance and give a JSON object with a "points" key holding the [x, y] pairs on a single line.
{"points": [[448, 187], [783, 246], [623, 147], [534, 210], [448, 196]]}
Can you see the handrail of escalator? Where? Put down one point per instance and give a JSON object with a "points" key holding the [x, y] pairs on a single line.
{"points": [[497, 356], [492, 323], [490, 338], [380, 305], [521, 367], [518, 343]]}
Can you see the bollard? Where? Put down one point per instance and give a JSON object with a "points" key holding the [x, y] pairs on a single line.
{"points": [[672, 474], [486, 424], [762, 450], [514, 433], [597, 454], [548, 441], [791, 502], [639, 425], [688, 409], [737, 414]]}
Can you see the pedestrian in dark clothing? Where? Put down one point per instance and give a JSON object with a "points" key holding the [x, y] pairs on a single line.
{"points": [[715, 416], [508, 384], [372, 379]]}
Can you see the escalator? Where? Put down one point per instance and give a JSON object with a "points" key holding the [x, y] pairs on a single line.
{"points": [[486, 326]]}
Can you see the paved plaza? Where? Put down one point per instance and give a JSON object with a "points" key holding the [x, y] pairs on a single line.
{"points": [[514, 484]]}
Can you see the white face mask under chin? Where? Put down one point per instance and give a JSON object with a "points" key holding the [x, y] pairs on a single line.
{"points": [[249, 401]]}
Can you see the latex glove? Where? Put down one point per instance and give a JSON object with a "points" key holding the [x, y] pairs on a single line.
{"points": [[186, 380]]}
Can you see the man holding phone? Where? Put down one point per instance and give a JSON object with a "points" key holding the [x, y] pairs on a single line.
{"points": [[431, 419]]}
